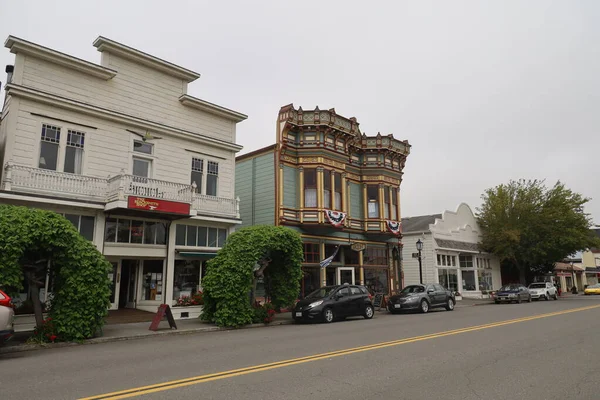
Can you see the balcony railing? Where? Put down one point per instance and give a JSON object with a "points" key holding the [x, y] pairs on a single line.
{"points": [[25, 179]]}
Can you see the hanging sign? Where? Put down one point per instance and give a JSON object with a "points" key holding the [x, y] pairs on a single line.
{"points": [[394, 226], [358, 246], [336, 218]]}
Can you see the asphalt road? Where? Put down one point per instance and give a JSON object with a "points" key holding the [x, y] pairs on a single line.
{"points": [[546, 350]]}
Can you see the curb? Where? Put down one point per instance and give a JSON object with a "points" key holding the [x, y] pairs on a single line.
{"points": [[30, 347]]}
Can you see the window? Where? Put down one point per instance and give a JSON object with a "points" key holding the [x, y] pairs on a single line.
{"points": [[186, 278], [386, 199], [212, 178], [83, 223], [466, 261], [310, 187], [330, 250], [124, 230], [327, 189], [200, 236], [350, 256], [468, 280], [394, 212], [373, 201], [343, 292], [197, 173], [311, 277], [74, 152], [49, 147], [485, 279], [444, 260], [483, 263], [337, 189], [375, 256], [311, 253], [152, 282], [141, 167], [376, 280], [143, 147], [448, 278]]}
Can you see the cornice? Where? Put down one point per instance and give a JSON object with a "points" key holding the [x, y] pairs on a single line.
{"points": [[211, 108]]}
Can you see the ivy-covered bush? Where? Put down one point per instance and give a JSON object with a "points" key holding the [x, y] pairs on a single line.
{"points": [[81, 289], [229, 276]]}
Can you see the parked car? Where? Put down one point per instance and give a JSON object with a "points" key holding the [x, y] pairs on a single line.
{"points": [[422, 298], [592, 289], [331, 303], [543, 290], [7, 318], [512, 292]]}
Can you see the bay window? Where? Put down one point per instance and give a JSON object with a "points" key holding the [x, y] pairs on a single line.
{"points": [[310, 187], [327, 189], [394, 211], [337, 190], [373, 201], [386, 200]]}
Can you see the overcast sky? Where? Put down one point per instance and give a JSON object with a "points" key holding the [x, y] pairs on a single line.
{"points": [[485, 91]]}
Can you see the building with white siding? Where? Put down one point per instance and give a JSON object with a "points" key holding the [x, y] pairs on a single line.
{"points": [[450, 255], [141, 168]]}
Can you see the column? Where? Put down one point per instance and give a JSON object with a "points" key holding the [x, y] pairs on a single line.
{"points": [[322, 257], [320, 187], [170, 267], [365, 206], [360, 267], [301, 191], [398, 205], [380, 204], [344, 194], [280, 185]]}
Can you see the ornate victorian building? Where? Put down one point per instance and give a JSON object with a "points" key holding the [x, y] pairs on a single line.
{"points": [[338, 187]]}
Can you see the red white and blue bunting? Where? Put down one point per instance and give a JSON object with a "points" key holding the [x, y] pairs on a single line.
{"points": [[336, 218], [394, 226]]}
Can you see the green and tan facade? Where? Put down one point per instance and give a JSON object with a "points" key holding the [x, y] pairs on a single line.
{"points": [[336, 186]]}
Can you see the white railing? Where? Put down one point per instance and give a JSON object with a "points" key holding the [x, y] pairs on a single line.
{"points": [[125, 185], [28, 179], [214, 205]]}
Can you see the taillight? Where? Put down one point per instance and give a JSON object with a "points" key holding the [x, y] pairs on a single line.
{"points": [[5, 300]]}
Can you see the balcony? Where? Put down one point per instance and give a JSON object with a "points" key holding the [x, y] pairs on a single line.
{"points": [[23, 179]]}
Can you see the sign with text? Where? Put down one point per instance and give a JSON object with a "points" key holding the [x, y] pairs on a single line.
{"points": [[163, 310], [165, 206]]}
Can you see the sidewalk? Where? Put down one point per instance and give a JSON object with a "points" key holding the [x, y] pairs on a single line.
{"points": [[474, 302], [139, 330]]}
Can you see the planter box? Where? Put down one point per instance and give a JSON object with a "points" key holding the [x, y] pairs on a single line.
{"points": [[186, 312]]}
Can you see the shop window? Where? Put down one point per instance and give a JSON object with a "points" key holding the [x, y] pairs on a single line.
{"points": [[485, 279], [448, 278], [152, 283], [311, 277], [446, 260], [311, 253], [186, 278], [200, 236], [373, 201], [337, 191], [180, 235], [466, 261], [376, 280], [327, 189], [123, 230], [351, 257], [83, 223], [468, 280], [310, 187], [330, 249], [375, 256]]}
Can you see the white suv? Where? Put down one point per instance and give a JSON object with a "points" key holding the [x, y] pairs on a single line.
{"points": [[7, 318], [543, 290]]}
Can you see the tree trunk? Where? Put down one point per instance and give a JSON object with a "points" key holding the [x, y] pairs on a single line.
{"points": [[35, 299]]}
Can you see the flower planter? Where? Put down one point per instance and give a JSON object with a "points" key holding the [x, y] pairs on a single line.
{"points": [[186, 312]]}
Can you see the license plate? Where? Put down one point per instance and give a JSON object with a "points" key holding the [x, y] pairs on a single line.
{"points": [[397, 306], [298, 314]]}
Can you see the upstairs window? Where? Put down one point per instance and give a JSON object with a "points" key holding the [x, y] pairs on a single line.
{"points": [[394, 211], [74, 152], [310, 187], [373, 201], [49, 146], [337, 190], [211, 178], [143, 147], [386, 199], [142, 166], [197, 173], [327, 189]]}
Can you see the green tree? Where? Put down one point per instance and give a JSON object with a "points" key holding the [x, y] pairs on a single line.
{"points": [[530, 226], [31, 240], [274, 253]]}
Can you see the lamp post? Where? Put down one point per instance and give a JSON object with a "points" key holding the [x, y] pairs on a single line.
{"points": [[419, 248]]}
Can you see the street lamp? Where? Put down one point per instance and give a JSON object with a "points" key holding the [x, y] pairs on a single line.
{"points": [[419, 248]]}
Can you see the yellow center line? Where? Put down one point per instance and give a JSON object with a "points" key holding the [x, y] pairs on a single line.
{"points": [[159, 387]]}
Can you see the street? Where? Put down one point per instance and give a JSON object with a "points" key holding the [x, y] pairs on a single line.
{"points": [[545, 349]]}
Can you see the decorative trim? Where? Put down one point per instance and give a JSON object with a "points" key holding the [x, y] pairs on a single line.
{"points": [[59, 101], [289, 159], [18, 45], [62, 120], [104, 44], [211, 108], [335, 218], [394, 226]]}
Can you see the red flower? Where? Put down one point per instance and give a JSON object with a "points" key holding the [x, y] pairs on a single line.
{"points": [[53, 338]]}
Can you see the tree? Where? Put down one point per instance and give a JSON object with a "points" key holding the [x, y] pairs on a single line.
{"points": [[530, 226], [274, 253], [34, 243]]}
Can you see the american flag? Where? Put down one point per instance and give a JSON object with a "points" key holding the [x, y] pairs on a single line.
{"points": [[325, 263]]}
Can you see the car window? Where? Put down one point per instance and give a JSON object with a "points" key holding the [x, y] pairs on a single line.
{"points": [[354, 290], [364, 290], [439, 288], [413, 289], [430, 287], [344, 292], [321, 292], [537, 286]]}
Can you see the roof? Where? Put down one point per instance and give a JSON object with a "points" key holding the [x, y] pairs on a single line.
{"points": [[419, 223], [562, 266], [455, 244]]}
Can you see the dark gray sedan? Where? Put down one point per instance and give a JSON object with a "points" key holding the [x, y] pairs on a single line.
{"points": [[422, 298]]}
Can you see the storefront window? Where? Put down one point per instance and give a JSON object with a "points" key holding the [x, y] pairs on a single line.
{"points": [[448, 278], [376, 280], [375, 256], [485, 279], [468, 280], [330, 249], [153, 280], [466, 261], [350, 256], [186, 279], [311, 253], [83, 223], [123, 230], [200, 236], [310, 280]]}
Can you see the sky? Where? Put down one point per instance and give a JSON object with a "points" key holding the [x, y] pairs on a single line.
{"points": [[484, 91]]}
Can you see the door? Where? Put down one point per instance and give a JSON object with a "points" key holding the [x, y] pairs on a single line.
{"points": [[342, 304], [128, 284], [345, 275], [115, 279], [440, 294]]}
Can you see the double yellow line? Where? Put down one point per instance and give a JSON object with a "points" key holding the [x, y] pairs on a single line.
{"points": [[124, 394]]}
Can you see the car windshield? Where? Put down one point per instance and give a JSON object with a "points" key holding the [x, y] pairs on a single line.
{"points": [[537, 286], [413, 289], [322, 292], [509, 288]]}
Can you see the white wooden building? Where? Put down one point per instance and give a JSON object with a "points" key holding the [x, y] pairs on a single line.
{"points": [[143, 169], [450, 255]]}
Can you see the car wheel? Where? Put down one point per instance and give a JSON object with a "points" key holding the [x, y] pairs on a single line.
{"points": [[369, 311], [328, 315], [450, 305], [424, 306]]}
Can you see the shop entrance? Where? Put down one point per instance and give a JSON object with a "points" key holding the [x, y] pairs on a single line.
{"points": [[123, 284], [345, 275]]}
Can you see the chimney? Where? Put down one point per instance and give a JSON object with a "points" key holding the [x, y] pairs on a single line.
{"points": [[9, 73]]}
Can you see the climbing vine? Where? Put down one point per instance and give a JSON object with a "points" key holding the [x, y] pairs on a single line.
{"points": [[276, 252], [30, 240]]}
